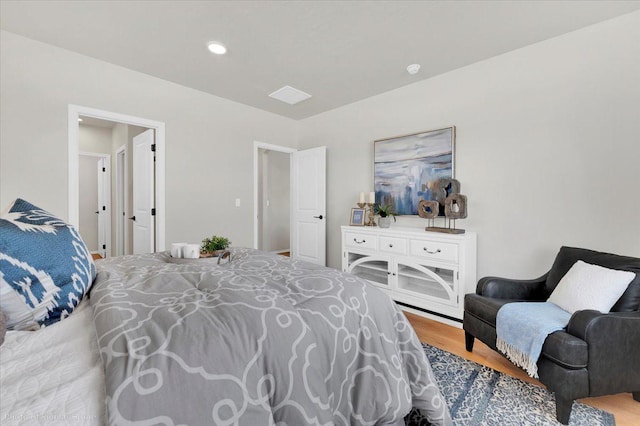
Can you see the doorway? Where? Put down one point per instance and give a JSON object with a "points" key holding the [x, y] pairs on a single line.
{"points": [[274, 186], [122, 204], [307, 200], [95, 202], [98, 140], [129, 168]]}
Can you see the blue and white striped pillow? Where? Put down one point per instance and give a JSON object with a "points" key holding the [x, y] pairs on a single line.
{"points": [[45, 267]]}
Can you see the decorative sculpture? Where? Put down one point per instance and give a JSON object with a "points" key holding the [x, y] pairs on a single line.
{"points": [[455, 206], [429, 209], [446, 187]]}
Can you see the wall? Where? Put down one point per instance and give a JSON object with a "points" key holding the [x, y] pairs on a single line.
{"points": [[209, 140], [547, 146]]}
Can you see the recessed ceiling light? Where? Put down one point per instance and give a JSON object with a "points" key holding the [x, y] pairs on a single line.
{"points": [[413, 69], [79, 120], [217, 48]]}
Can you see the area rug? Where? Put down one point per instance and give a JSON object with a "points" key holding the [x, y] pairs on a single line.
{"points": [[479, 395]]}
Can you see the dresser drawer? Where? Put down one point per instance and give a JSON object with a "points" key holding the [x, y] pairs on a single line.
{"points": [[434, 250], [393, 245], [362, 241]]}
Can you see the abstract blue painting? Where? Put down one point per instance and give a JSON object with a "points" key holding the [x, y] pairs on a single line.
{"points": [[406, 168]]}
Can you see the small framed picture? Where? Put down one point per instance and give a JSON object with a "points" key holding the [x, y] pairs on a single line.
{"points": [[357, 217]]}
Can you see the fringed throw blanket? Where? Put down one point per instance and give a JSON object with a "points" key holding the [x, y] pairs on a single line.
{"points": [[522, 329]]}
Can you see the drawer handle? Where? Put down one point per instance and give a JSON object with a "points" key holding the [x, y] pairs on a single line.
{"points": [[359, 242], [431, 252], [390, 245]]}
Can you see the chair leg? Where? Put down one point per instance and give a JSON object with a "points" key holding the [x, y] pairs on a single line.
{"points": [[468, 341], [563, 409], [636, 396]]}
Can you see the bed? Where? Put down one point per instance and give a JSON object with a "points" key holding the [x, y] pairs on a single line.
{"points": [[259, 340]]}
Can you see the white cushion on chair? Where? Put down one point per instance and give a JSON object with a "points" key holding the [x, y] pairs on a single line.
{"points": [[587, 286]]}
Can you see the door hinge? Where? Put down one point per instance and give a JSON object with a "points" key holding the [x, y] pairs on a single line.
{"points": [[457, 275], [104, 208], [104, 169], [153, 212], [104, 247], [153, 147]]}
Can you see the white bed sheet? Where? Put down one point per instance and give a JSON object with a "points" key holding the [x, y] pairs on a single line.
{"points": [[53, 376]]}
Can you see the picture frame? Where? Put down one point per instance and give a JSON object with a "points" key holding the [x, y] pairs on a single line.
{"points": [[357, 217], [407, 168]]}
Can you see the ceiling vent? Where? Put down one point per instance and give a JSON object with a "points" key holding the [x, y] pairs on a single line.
{"points": [[290, 95]]}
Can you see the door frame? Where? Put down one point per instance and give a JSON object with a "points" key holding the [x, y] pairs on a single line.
{"points": [[257, 146], [122, 176], [107, 203], [74, 113]]}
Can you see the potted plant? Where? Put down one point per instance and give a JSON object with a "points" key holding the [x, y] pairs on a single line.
{"points": [[215, 245], [386, 213]]}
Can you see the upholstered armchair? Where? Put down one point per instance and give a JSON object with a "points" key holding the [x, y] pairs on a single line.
{"points": [[597, 354]]}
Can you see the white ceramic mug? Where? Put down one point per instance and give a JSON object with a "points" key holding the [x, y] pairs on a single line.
{"points": [[191, 251], [176, 249]]}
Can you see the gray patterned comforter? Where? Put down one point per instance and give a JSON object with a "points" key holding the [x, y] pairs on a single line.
{"points": [[262, 340]]}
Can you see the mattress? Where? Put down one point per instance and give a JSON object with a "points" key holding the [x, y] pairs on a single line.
{"points": [[53, 376]]}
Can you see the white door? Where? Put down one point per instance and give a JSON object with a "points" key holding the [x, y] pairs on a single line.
{"points": [[308, 205], [143, 193], [104, 210]]}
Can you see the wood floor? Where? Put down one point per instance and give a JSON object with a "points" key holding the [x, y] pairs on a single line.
{"points": [[96, 256], [451, 339]]}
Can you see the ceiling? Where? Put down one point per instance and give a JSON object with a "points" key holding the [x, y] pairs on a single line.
{"points": [[337, 51]]}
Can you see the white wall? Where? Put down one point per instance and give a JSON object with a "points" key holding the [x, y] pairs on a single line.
{"points": [[209, 140], [547, 147]]}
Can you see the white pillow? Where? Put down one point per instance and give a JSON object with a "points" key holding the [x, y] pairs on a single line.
{"points": [[587, 286]]}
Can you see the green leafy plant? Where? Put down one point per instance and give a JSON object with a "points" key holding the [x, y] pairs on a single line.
{"points": [[385, 210], [209, 245]]}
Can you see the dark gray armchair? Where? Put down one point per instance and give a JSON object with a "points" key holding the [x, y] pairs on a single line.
{"points": [[597, 354]]}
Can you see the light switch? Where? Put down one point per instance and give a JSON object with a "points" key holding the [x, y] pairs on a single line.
{"points": [[237, 202]]}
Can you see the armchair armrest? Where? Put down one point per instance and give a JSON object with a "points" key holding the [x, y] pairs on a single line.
{"points": [[504, 288], [590, 324], [612, 340]]}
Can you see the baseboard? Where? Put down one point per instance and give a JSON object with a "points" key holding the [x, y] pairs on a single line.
{"points": [[445, 319]]}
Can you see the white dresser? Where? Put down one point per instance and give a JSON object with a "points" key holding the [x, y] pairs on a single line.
{"points": [[428, 272]]}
